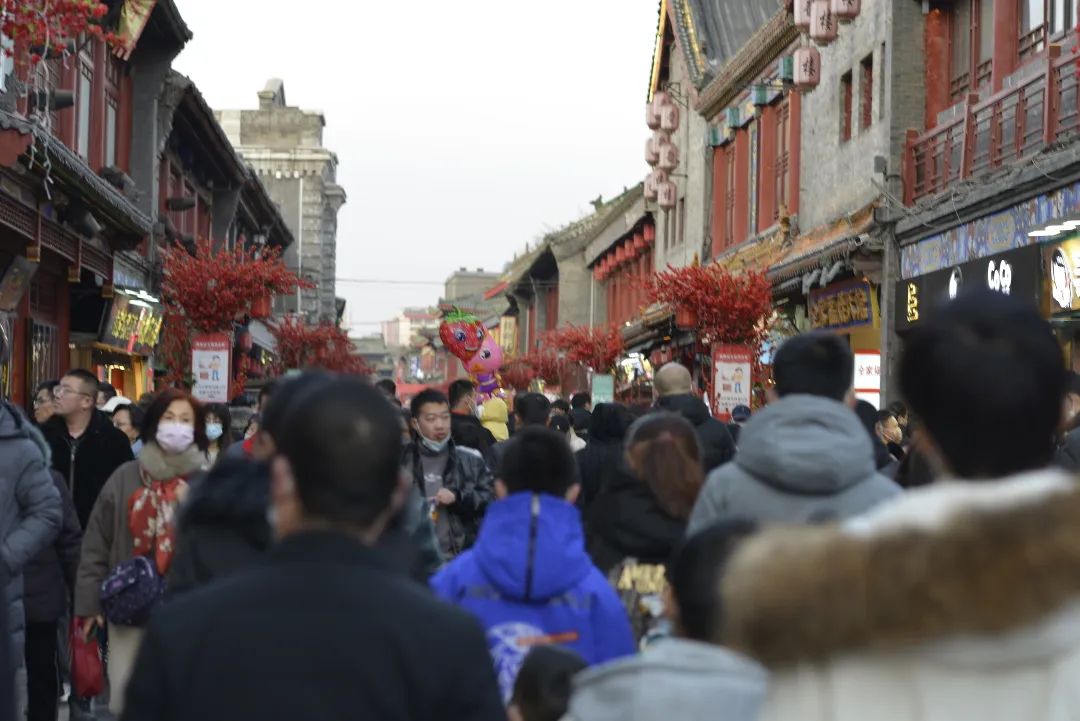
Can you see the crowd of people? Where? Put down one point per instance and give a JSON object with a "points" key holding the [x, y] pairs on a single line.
{"points": [[468, 558]]}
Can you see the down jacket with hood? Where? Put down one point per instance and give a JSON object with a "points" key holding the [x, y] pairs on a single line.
{"points": [[955, 602], [30, 510], [804, 459], [717, 445], [674, 679], [529, 581]]}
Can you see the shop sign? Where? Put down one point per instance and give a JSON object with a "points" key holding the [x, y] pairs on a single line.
{"points": [[731, 383], [844, 305], [603, 389], [1062, 264], [1014, 273], [867, 382], [210, 364], [133, 324]]}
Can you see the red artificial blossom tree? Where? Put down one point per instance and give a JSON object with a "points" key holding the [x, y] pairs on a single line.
{"points": [[41, 27], [326, 346], [596, 348], [517, 374], [209, 290], [724, 307]]}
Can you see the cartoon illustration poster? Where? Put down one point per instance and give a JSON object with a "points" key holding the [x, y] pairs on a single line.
{"points": [[210, 364], [731, 386]]}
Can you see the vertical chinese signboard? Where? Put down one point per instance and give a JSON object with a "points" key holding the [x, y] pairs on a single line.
{"points": [[210, 367], [868, 377], [731, 383]]}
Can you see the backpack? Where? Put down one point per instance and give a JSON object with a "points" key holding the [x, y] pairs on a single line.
{"points": [[131, 591], [641, 587]]}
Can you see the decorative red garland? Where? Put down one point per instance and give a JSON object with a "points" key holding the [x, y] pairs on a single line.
{"points": [[50, 25], [517, 374], [546, 364], [325, 346], [208, 291], [596, 348], [729, 308]]}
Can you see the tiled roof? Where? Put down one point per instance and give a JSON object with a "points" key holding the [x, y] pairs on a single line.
{"points": [[713, 31]]}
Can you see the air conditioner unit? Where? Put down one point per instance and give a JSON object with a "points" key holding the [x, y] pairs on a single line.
{"points": [[785, 69], [733, 118]]}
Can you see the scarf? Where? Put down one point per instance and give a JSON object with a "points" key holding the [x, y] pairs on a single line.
{"points": [[152, 507]]}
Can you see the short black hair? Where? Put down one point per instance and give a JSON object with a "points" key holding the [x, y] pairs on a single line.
{"points": [[88, 379], [286, 394], [560, 405], [533, 408], [545, 681], [135, 413], [580, 400], [898, 409], [884, 416], [49, 386], [816, 364], [387, 386], [986, 376], [426, 396], [695, 575], [559, 424], [610, 422], [108, 389], [343, 441], [538, 460], [461, 388]]}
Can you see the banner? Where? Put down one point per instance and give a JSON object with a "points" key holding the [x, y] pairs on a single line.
{"points": [[731, 387], [603, 389], [867, 381], [210, 366]]}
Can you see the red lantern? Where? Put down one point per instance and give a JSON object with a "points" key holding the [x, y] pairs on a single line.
{"points": [[807, 68], [686, 318], [650, 233], [667, 195], [802, 14], [262, 307], [823, 24], [660, 100], [669, 118], [652, 153], [669, 157], [243, 340], [845, 10], [639, 242]]}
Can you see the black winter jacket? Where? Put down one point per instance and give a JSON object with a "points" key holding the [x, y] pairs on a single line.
{"points": [[597, 462], [223, 524], [49, 579], [469, 432], [88, 463], [625, 521], [717, 446], [327, 628], [468, 477]]}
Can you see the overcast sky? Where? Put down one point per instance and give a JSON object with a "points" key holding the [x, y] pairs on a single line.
{"points": [[463, 130]]}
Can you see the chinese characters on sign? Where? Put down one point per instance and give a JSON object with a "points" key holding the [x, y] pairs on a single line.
{"points": [[210, 364], [868, 377], [845, 305], [731, 385], [133, 327]]}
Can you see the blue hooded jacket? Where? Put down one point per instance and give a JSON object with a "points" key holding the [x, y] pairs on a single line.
{"points": [[530, 582]]}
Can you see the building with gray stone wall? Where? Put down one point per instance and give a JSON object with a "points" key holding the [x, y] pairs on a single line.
{"points": [[284, 144]]}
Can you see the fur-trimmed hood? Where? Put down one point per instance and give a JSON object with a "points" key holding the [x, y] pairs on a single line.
{"points": [[972, 574]]}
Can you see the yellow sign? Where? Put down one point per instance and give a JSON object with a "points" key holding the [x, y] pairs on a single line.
{"points": [[844, 305], [912, 302]]}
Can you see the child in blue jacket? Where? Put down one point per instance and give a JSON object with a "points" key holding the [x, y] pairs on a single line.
{"points": [[528, 579]]}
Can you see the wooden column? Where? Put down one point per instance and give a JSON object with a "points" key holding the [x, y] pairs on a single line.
{"points": [[1006, 40], [936, 67]]}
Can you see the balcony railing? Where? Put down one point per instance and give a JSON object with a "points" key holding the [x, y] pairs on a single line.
{"points": [[1007, 127]]}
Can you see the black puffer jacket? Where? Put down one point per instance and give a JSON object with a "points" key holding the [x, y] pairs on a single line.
{"points": [[49, 579], [468, 477], [469, 432], [717, 446], [223, 524], [625, 521]]}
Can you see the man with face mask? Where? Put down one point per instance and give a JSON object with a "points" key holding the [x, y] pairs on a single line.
{"points": [[454, 480], [465, 426]]}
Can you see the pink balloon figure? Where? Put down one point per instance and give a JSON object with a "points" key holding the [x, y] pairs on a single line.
{"points": [[484, 367]]}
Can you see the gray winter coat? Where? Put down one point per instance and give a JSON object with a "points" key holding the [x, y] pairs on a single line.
{"points": [[30, 510], [672, 679], [803, 459]]}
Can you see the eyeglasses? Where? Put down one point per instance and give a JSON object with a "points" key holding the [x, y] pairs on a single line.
{"points": [[39, 402], [62, 391]]}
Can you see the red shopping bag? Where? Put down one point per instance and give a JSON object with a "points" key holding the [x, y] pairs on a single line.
{"points": [[87, 669]]}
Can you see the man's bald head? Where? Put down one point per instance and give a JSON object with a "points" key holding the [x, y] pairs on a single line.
{"points": [[673, 380]]}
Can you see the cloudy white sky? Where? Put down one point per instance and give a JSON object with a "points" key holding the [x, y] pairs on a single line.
{"points": [[463, 130]]}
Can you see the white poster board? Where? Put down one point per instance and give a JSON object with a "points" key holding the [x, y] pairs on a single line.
{"points": [[210, 367], [867, 381]]}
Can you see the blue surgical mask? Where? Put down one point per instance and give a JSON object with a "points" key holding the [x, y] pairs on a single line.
{"points": [[214, 431], [435, 447]]}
